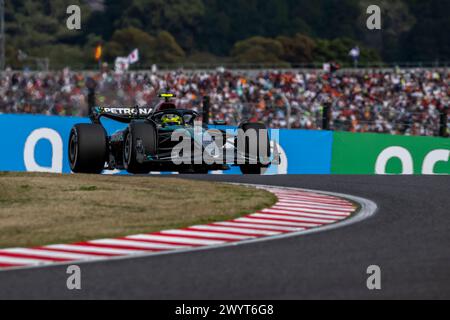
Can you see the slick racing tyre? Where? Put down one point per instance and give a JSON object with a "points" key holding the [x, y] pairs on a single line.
{"points": [[139, 135], [87, 148], [259, 153]]}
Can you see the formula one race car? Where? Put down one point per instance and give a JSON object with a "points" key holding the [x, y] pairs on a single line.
{"points": [[164, 138]]}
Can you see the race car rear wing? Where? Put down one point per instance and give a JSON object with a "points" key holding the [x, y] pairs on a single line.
{"points": [[120, 114], [126, 114]]}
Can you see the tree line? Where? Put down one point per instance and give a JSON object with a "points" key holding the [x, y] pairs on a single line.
{"points": [[251, 31]]}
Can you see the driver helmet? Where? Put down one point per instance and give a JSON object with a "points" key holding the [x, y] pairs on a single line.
{"points": [[171, 119]]}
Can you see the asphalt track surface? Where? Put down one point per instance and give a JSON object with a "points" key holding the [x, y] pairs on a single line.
{"points": [[409, 238]]}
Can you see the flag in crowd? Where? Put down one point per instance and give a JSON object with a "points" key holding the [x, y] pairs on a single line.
{"points": [[122, 64], [98, 52], [133, 57]]}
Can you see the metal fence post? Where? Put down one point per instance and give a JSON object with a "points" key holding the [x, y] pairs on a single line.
{"points": [[326, 117], [91, 86]]}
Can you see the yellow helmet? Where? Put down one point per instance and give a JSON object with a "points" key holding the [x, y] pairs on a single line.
{"points": [[171, 119]]}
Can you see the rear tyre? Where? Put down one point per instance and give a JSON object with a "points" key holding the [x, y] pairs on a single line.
{"points": [[144, 134], [88, 148], [251, 152]]}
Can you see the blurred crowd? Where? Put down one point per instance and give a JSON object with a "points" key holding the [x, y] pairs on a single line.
{"points": [[391, 101]]}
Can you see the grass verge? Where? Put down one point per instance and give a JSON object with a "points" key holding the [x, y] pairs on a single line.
{"points": [[40, 209]]}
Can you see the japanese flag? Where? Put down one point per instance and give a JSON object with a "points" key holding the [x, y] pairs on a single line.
{"points": [[133, 57]]}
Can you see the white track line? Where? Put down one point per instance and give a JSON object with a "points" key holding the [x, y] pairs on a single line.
{"points": [[257, 226], [48, 254], [303, 214], [89, 249], [134, 244], [290, 218], [314, 210], [277, 222], [23, 261], [310, 204], [184, 241], [317, 202], [237, 230], [298, 212], [205, 234]]}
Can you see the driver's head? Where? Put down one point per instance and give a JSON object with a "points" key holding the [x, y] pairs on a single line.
{"points": [[171, 119]]}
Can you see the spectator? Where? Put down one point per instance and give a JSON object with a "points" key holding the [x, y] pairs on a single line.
{"points": [[395, 102]]}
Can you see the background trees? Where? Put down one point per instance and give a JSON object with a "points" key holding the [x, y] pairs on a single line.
{"points": [[258, 50], [167, 31]]}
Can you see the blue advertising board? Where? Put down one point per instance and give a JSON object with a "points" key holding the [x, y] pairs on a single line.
{"points": [[39, 143], [307, 152]]}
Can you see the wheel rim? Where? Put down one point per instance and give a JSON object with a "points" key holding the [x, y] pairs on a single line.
{"points": [[127, 149]]}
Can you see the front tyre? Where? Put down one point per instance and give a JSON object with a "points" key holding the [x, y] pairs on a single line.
{"points": [[88, 148], [251, 169]]}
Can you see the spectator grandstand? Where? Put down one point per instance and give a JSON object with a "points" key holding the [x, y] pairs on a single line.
{"points": [[408, 101]]}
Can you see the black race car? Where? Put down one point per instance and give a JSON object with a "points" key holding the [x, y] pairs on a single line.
{"points": [[165, 138]]}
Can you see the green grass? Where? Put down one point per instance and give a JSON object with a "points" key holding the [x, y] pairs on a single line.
{"points": [[40, 209]]}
